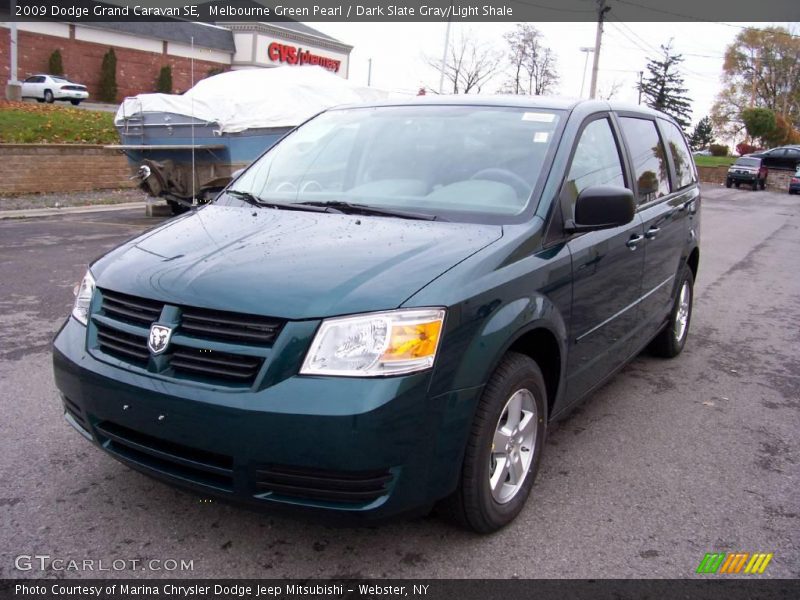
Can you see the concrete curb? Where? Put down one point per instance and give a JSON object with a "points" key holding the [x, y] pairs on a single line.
{"points": [[31, 213]]}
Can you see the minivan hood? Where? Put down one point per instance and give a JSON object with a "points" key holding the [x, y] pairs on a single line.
{"points": [[288, 264]]}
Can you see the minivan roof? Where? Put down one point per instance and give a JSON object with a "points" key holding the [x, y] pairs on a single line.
{"points": [[541, 102]]}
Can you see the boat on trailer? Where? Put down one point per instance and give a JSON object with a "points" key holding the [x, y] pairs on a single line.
{"points": [[186, 148]]}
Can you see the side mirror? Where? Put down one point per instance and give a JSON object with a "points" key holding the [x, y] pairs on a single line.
{"points": [[602, 207]]}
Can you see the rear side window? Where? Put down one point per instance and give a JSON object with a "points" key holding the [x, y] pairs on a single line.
{"points": [[596, 160], [649, 161], [684, 172]]}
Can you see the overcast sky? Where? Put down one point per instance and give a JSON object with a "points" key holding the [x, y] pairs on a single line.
{"points": [[398, 53]]}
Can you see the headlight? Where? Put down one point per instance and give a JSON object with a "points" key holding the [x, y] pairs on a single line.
{"points": [[374, 344], [83, 296]]}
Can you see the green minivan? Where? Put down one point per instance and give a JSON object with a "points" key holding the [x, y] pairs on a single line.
{"points": [[387, 308]]}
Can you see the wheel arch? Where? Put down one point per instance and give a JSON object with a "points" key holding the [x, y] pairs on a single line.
{"points": [[693, 261]]}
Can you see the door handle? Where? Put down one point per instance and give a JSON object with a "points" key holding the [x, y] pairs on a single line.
{"points": [[652, 233], [634, 241]]}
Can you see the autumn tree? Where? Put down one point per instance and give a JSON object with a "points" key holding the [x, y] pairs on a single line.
{"points": [[761, 70], [703, 134], [533, 64], [663, 88], [470, 65]]}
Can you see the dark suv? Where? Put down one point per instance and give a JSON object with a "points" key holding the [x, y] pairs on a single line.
{"points": [[388, 307], [748, 170]]}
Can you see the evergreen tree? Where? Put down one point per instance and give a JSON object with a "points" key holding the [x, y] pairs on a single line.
{"points": [[108, 78], [164, 81], [55, 66], [663, 87], [703, 134]]}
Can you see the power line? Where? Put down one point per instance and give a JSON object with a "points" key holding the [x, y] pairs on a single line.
{"points": [[695, 18], [617, 22]]}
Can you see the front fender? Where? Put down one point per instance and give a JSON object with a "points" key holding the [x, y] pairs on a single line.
{"points": [[473, 349]]}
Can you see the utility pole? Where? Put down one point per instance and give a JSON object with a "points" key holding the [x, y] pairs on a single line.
{"points": [[13, 87], [369, 73], [444, 53], [756, 68], [602, 9], [641, 74], [587, 50]]}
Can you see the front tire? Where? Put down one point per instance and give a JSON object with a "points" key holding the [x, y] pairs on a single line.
{"points": [[728, 183], [504, 446], [670, 340]]}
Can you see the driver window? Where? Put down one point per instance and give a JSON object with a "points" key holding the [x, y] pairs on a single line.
{"points": [[596, 161]]}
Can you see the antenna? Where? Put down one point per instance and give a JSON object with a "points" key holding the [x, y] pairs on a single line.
{"points": [[191, 70]]}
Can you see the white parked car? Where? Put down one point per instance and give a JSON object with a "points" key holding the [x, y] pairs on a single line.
{"points": [[49, 88]]}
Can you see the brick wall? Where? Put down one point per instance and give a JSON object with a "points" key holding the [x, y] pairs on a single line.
{"points": [[136, 70], [31, 168]]}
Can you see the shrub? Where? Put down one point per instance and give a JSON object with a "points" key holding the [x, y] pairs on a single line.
{"points": [[55, 66], [107, 91], [718, 150], [744, 148], [164, 81]]}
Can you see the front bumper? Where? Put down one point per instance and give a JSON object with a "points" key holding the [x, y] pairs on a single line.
{"points": [[742, 177], [364, 448]]}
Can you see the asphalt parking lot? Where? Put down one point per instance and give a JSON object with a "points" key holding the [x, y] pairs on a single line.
{"points": [[670, 460]]}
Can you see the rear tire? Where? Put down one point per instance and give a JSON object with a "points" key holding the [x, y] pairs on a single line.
{"points": [[75, 102], [504, 447], [670, 340], [48, 97]]}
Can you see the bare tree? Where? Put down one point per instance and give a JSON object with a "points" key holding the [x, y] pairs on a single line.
{"points": [[611, 92], [533, 64], [470, 64]]}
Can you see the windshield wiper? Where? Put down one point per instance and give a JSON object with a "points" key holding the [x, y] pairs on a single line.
{"points": [[260, 202], [246, 196], [365, 209]]}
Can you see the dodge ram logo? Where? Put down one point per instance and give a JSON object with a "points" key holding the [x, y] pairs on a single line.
{"points": [[159, 338]]}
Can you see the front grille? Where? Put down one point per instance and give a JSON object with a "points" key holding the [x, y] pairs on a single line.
{"points": [[130, 309], [226, 326], [125, 346], [208, 363], [176, 460], [348, 487], [203, 330]]}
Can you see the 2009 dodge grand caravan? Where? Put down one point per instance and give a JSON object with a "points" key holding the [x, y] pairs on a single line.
{"points": [[388, 307]]}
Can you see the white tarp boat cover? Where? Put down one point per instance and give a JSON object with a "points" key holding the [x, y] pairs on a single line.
{"points": [[255, 98]]}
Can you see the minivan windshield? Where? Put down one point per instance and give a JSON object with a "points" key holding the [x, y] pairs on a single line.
{"points": [[455, 163]]}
